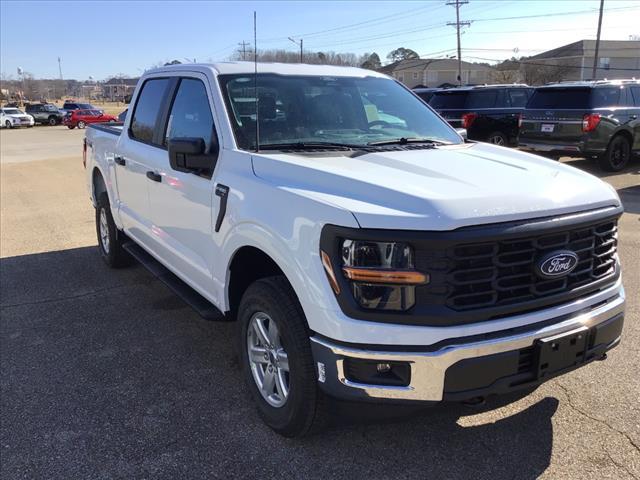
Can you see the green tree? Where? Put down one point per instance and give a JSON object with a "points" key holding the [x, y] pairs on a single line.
{"points": [[402, 54]]}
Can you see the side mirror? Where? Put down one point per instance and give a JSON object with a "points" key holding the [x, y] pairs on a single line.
{"points": [[463, 133], [187, 154]]}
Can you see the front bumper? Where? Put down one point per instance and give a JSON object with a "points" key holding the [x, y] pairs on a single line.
{"points": [[467, 368]]}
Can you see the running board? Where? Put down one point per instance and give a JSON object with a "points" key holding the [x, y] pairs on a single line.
{"points": [[192, 298]]}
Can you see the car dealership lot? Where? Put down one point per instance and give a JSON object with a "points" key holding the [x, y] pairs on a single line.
{"points": [[106, 374]]}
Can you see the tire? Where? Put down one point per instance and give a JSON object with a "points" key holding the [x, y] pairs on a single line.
{"points": [[110, 240], [617, 156], [498, 138], [71, 127], [52, 121], [81, 124], [273, 300], [8, 124]]}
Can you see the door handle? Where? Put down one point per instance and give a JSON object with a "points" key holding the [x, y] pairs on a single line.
{"points": [[633, 117], [222, 191], [120, 160], [156, 177]]}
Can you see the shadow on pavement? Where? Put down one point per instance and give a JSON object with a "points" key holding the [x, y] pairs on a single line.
{"points": [[591, 166], [106, 374], [630, 197]]}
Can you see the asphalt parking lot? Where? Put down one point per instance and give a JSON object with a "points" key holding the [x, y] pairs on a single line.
{"points": [[106, 374]]}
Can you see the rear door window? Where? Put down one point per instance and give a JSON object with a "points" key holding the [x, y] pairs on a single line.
{"points": [[603, 97], [518, 97], [147, 109]]}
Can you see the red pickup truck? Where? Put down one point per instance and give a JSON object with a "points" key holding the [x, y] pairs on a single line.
{"points": [[80, 118]]}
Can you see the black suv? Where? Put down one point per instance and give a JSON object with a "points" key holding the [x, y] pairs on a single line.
{"points": [[597, 119], [45, 113], [489, 113]]}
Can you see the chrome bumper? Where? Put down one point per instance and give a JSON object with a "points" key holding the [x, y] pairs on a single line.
{"points": [[428, 369]]}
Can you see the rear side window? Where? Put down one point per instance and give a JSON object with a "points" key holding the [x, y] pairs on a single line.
{"points": [[635, 93], [518, 97], [560, 98], [605, 97], [448, 100], [426, 96], [481, 99], [190, 114], [147, 109]]}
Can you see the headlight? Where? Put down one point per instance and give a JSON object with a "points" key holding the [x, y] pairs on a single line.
{"points": [[382, 275]]}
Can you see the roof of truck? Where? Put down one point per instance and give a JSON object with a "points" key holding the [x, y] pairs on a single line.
{"points": [[223, 68]]}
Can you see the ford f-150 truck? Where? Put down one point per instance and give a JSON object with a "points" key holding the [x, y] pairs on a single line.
{"points": [[366, 251]]}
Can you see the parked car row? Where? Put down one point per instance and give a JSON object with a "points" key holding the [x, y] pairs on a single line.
{"points": [[594, 119], [72, 114]]}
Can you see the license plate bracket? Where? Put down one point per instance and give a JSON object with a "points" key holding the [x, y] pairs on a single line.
{"points": [[547, 127], [560, 352]]}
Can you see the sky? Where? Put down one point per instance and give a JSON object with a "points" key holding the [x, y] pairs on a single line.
{"points": [[100, 39]]}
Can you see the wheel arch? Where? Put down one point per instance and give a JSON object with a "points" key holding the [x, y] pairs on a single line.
{"points": [[248, 264], [623, 132]]}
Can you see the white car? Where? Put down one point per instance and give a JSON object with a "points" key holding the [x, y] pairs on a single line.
{"points": [[14, 117], [365, 250]]}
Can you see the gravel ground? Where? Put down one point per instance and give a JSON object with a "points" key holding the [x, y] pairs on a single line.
{"points": [[106, 374]]}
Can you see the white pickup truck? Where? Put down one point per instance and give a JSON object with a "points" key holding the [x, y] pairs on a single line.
{"points": [[366, 251]]}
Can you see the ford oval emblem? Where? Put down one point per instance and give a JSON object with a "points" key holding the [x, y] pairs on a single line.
{"points": [[557, 264]]}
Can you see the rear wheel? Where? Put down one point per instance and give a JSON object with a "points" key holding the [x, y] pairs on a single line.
{"points": [[617, 155], [276, 357], [110, 240], [498, 138]]}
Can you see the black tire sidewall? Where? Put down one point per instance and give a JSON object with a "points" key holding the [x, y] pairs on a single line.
{"points": [[296, 415], [498, 134], [606, 161]]}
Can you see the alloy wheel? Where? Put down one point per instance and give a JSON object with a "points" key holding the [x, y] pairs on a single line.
{"points": [[268, 359], [104, 231]]}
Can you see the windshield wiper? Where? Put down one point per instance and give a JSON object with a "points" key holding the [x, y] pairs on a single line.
{"points": [[307, 145], [404, 141]]}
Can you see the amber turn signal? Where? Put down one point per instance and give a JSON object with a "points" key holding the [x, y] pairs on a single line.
{"points": [[328, 268], [394, 277]]}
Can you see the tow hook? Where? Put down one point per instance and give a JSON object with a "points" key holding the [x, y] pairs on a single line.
{"points": [[475, 402]]}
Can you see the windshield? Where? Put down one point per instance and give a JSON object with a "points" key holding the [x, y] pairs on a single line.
{"points": [[86, 106], [338, 110], [50, 108], [12, 111]]}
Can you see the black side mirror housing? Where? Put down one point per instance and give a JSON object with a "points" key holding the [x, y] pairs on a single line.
{"points": [[187, 154]]}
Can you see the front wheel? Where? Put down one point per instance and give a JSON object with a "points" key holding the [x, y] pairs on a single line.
{"points": [[110, 240], [8, 124], [52, 121], [71, 127], [81, 124], [617, 156], [276, 357]]}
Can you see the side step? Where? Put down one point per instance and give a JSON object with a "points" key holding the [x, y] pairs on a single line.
{"points": [[192, 298]]}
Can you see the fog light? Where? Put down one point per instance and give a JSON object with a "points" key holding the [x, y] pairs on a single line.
{"points": [[383, 367]]}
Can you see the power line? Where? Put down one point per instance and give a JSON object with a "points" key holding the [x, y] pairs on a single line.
{"points": [[559, 14], [525, 62]]}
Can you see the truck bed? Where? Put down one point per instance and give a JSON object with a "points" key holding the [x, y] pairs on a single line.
{"points": [[112, 128]]}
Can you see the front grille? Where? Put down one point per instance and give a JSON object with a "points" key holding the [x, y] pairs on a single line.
{"points": [[482, 275]]}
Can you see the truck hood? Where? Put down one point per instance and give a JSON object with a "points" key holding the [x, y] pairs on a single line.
{"points": [[437, 189]]}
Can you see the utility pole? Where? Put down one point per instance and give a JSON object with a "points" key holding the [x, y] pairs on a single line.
{"points": [[244, 46], [595, 57], [459, 24], [298, 43], [60, 67]]}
